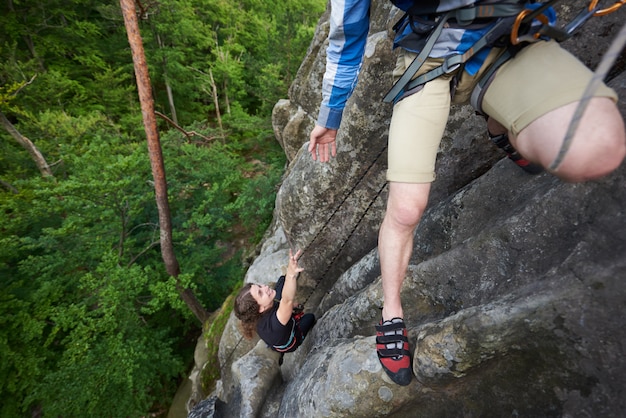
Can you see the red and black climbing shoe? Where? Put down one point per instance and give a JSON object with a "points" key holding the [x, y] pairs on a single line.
{"points": [[502, 141], [392, 347]]}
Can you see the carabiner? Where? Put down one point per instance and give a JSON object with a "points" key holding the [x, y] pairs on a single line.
{"points": [[515, 38], [602, 12]]}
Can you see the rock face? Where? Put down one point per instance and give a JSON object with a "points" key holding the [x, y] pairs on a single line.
{"points": [[515, 293]]}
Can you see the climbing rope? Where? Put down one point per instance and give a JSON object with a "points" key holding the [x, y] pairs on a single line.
{"points": [[603, 68], [319, 278], [339, 206]]}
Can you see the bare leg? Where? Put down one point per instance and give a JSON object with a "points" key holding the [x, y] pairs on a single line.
{"points": [[598, 146], [405, 206], [494, 127]]}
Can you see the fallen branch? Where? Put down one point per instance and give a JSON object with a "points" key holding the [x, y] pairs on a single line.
{"points": [[8, 186], [186, 133]]}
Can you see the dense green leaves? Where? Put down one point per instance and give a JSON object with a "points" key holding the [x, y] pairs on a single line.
{"points": [[79, 55], [106, 340], [90, 322], [83, 283]]}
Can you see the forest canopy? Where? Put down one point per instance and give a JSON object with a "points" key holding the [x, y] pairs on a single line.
{"points": [[91, 323]]}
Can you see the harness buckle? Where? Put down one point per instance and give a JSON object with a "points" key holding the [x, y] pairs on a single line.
{"points": [[446, 68]]}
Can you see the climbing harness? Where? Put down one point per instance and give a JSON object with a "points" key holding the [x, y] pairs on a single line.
{"points": [[449, 65], [522, 25]]}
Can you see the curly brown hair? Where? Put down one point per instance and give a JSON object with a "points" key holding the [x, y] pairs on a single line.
{"points": [[247, 311]]}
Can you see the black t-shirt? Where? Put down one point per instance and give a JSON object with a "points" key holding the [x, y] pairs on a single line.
{"points": [[276, 335]]}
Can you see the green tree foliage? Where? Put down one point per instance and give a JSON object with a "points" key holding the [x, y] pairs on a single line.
{"points": [[110, 347], [90, 323], [79, 52], [82, 271]]}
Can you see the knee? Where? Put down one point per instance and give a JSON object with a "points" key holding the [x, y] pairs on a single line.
{"points": [[405, 205], [405, 215]]}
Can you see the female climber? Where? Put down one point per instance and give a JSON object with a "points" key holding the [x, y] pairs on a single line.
{"points": [[273, 313]]}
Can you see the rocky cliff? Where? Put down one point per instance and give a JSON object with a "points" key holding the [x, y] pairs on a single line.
{"points": [[514, 296]]}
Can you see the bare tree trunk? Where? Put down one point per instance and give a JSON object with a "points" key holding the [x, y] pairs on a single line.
{"points": [[34, 152], [217, 104], [226, 97], [156, 156], [170, 99], [168, 87]]}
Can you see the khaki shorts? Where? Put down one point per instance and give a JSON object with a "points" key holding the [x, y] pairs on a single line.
{"points": [[523, 89]]}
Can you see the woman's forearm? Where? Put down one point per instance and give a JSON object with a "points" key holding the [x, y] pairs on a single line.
{"points": [[285, 308]]}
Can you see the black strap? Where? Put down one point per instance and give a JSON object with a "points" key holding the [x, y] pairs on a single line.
{"points": [[417, 63], [480, 90], [394, 326], [564, 34], [467, 15], [388, 339], [451, 63], [539, 10], [392, 352]]}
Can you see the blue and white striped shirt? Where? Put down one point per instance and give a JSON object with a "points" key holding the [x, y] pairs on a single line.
{"points": [[349, 25]]}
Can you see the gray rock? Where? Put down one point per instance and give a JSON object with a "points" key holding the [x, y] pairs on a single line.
{"points": [[514, 297]]}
